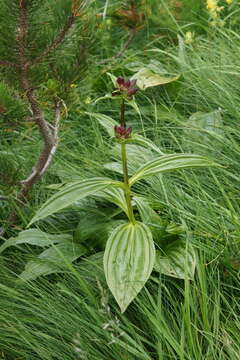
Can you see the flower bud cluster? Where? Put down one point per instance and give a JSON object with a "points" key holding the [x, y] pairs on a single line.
{"points": [[125, 87], [121, 132]]}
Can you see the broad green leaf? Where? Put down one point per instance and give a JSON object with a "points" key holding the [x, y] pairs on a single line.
{"points": [[72, 193], [147, 78], [137, 155], [106, 121], [177, 260], [128, 261], [149, 217], [170, 163], [53, 260], [107, 96], [35, 237]]}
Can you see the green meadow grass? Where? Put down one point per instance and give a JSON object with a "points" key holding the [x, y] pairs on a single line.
{"points": [[74, 317]]}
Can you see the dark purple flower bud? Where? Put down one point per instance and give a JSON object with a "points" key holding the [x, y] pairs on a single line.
{"points": [[126, 87], [122, 132], [120, 81]]}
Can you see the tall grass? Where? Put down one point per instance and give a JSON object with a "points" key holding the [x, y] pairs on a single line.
{"points": [[75, 318]]}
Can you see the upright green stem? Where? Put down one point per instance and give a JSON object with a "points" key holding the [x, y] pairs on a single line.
{"points": [[122, 115], [127, 190]]}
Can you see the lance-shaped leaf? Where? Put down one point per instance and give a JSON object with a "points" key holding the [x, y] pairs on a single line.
{"points": [[169, 163], [176, 260], [128, 261], [72, 193], [35, 237]]}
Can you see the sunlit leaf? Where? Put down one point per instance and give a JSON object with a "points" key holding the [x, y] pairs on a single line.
{"points": [[176, 259], [147, 78], [169, 163], [128, 261]]}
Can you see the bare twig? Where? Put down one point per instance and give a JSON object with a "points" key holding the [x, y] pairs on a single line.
{"points": [[121, 52]]}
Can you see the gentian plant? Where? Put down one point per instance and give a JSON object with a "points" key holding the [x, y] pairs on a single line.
{"points": [[130, 253]]}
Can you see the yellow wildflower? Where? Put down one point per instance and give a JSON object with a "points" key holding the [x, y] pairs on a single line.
{"points": [[229, 2], [212, 5]]}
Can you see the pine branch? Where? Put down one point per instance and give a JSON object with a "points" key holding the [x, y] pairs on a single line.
{"points": [[8, 63], [49, 134], [57, 41]]}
